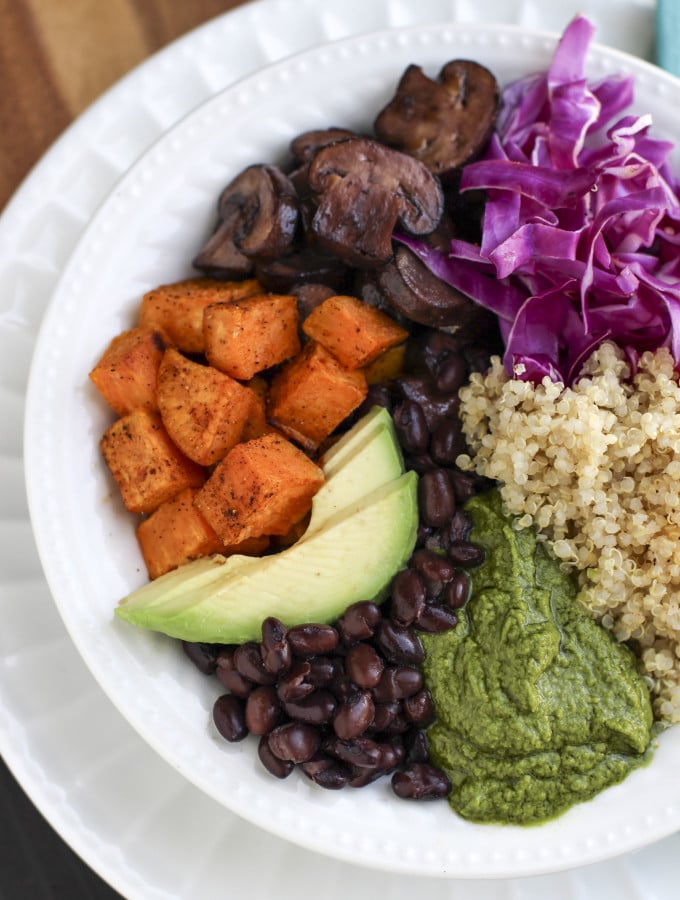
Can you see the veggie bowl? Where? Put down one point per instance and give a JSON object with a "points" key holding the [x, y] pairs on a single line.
{"points": [[146, 234]]}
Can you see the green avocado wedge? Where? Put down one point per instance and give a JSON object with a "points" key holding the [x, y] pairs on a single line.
{"points": [[362, 531]]}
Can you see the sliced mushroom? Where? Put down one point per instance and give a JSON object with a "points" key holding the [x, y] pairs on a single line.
{"points": [[257, 218], [413, 291], [362, 191], [306, 145], [443, 123], [305, 266]]}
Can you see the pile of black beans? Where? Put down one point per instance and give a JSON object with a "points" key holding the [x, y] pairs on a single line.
{"points": [[346, 703]]}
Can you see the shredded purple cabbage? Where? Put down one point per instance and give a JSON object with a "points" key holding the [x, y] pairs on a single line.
{"points": [[581, 226]]}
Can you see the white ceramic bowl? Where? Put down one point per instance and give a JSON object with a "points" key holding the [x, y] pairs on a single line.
{"points": [[145, 234]]}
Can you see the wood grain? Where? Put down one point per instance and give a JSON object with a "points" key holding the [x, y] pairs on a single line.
{"points": [[57, 56]]}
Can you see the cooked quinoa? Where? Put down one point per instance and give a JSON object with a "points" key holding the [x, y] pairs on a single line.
{"points": [[596, 467]]}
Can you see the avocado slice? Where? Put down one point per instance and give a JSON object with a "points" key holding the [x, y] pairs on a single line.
{"points": [[362, 530], [347, 446], [373, 460]]}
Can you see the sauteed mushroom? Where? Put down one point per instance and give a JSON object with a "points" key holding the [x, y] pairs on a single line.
{"points": [[443, 123], [414, 292], [258, 215], [362, 191]]}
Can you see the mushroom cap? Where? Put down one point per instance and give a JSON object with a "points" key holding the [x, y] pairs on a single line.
{"points": [[443, 123], [362, 190], [418, 295], [257, 218]]}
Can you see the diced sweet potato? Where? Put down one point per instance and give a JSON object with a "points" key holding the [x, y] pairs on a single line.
{"points": [[261, 487], [354, 332], [148, 468], [175, 534], [257, 424], [204, 410], [248, 336], [387, 366], [177, 309], [126, 374], [312, 395]]}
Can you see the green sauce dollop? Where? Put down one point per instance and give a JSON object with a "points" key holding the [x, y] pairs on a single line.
{"points": [[538, 707]]}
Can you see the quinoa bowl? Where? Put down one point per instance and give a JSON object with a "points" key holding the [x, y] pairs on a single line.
{"points": [[145, 234]]}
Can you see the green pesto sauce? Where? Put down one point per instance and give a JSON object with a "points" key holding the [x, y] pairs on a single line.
{"points": [[538, 707]]}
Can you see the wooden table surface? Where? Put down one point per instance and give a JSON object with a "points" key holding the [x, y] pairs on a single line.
{"points": [[56, 57]]}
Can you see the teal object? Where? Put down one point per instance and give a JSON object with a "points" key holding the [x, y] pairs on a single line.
{"points": [[668, 35]]}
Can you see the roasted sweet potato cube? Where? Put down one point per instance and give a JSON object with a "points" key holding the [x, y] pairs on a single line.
{"points": [[354, 332], [148, 468], [174, 534], [204, 410], [387, 366], [251, 335], [126, 374], [261, 487], [313, 394], [177, 309]]}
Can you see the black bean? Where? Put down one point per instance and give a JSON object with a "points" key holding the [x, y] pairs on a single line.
{"points": [[363, 665], [359, 621], [315, 709], [450, 374], [378, 395], [417, 747], [312, 639], [411, 427], [460, 526], [421, 781], [274, 648], [439, 346], [384, 715], [397, 682], [323, 670], [399, 645], [477, 358], [436, 498], [263, 710], [419, 709], [342, 687], [294, 685], [435, 569], [425, 534], [203, 656], [399, 725], [393, 753], [408, 596], [354, 716], [359, 751], [421, 463], [436, 619], [248, 662], [366, 775], [294, 741], [465, 554], [447, 442], [228, 676], [457, 591], [464, 486], [280, 768], [229, 717], [326, 772], [435, 405]]}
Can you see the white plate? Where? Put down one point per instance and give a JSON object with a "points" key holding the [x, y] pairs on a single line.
{"points": [[146, 233], [85, 768]]}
